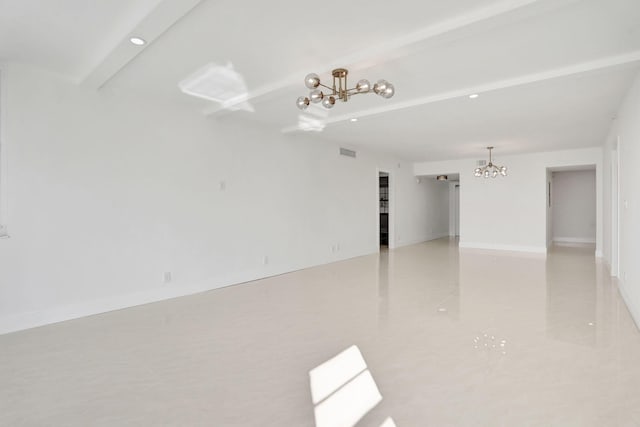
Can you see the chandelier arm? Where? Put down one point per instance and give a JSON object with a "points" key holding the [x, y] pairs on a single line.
{"points": [[325, 86]]}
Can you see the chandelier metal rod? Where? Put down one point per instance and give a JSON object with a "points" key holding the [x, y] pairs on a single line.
{"points": [[350, 92]]}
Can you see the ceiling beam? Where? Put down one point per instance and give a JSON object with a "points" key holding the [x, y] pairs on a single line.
{"points": [[156, 23], [365, 57], [584, 67]]}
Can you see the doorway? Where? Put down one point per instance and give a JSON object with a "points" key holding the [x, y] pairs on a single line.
{"points": [[383, 209], [571, 206]]}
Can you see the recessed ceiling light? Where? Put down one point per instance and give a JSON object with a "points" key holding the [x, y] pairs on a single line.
{"points": [[137, 41], [354, 119], [474, 96]]}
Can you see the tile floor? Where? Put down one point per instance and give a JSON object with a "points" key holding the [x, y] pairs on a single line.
{"points": [[450, 339]]}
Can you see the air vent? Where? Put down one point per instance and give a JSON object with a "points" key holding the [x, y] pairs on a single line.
{"points": [[347, 152], [481, 163]]}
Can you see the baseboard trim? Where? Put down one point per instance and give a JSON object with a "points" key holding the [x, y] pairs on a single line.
{"points": [[633, 309], [573, 240], [421, 240], [498, 247]]}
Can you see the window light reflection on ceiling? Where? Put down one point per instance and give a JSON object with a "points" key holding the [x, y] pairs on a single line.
{"points": [[313, 119], [217, 83]]}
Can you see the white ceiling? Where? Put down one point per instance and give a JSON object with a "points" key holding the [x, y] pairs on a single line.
{"points": [[68, 37], [550, 73]]}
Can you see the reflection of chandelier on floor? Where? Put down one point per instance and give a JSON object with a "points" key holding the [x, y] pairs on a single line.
{"points": [[339, 89], [490, 170]]}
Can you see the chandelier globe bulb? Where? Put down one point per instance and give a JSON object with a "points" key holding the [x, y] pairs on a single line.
{"points": [[316, 96], [302, 102], [329, 102], [380, 86], [363, 86], [312, 81], [388, 91]]}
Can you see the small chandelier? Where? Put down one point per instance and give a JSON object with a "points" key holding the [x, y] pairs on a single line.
{"points": [[339, 89], [490, 170]]}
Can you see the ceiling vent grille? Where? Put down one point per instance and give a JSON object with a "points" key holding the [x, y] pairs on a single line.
{"points": [[347, 152], [481, 163]]}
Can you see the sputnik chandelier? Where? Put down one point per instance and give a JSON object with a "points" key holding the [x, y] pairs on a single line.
{"points": [[490, 170], [339, 89]]}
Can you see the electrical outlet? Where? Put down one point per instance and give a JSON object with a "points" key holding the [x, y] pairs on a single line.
{"points": [[337, 247], [223, 185], [265, 260], [167, 277]]}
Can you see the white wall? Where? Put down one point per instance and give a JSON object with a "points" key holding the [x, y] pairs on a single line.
{"points": [[3, 157], [574, 206], [425, 215], [549, 205], [510, 212], [626, 131], [106, 192]]}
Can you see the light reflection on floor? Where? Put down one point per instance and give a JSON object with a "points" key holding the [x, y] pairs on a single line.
{"points": [[241, 356], [343, 390]]}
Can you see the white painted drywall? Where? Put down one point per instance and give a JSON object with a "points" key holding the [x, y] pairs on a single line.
{"points": [[626, 133], [509, 213], [574, 206], [3, 157], [549, 212], [107, 191], [426, 213]]}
